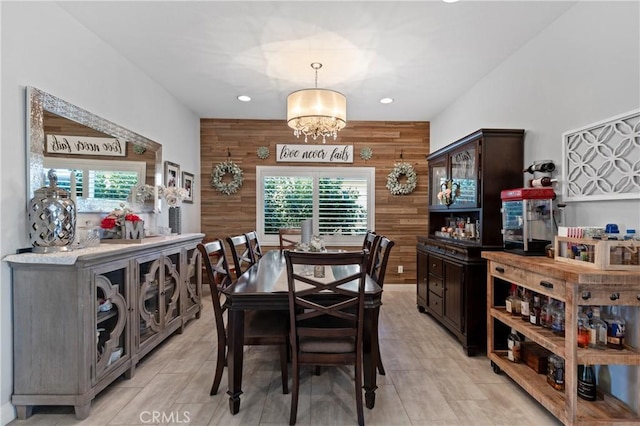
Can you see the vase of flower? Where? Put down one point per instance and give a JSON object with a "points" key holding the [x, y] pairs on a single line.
{"points": [[450, 190], [175, 220], [174, 196]]}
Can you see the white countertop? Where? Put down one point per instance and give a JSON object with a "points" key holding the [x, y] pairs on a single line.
{"points": [[71, 257]]}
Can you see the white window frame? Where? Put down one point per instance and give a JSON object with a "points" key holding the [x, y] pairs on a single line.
{"points": [[368, 173], [86, 165]]}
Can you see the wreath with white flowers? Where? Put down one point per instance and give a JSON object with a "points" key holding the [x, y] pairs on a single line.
{"points": [[223, 169], [393, 180]]}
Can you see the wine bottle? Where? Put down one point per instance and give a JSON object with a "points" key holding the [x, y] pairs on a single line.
{"points": [[586, 382], [541, 167], [540, 182]]}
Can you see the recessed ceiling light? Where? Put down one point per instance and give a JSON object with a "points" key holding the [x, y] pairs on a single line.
{"points": [[450, 1], [386, 100], [244, 98]]}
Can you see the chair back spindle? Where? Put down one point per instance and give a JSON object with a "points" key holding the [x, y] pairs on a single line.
{"points": [[241, 253], [255, 250], [289, 238]]}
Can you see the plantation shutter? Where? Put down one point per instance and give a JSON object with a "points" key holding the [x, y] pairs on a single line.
{"points": [[342, 204]]}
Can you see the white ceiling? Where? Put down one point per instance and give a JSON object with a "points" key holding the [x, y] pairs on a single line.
{"points": [[423, 54]]}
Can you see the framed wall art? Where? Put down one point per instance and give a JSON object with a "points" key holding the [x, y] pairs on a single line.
{"points": [[188, 181], [171, 174], [600, 161]]}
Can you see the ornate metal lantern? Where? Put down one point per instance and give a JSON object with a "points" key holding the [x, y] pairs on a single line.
{"points": [[52, 218]]}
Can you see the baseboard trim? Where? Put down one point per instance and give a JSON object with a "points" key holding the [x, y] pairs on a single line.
{"points": [[7, 413]]}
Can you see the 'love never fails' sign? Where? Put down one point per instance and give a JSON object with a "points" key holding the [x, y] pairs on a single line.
{"points": [[314, 153]]}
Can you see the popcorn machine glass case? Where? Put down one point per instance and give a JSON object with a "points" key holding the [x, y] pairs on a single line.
{"points": [[527, 220]]}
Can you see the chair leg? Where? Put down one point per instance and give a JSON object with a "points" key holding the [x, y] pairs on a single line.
{"points": [[284, 349], [380, 366], [317, 371], [294, 394], [220, 363], [358, 382]]}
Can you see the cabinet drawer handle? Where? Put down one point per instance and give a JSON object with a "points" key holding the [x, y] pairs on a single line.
{"points": [[500, 269], [638, 296], [614, 296], [433, 265], [586, 295], [546, 284]]}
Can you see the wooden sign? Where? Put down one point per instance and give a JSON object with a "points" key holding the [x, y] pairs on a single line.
{"points": [[314, 153], [83, 145]]}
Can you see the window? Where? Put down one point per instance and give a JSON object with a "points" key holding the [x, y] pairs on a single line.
{"points": [[98, 181], [339, 200]]}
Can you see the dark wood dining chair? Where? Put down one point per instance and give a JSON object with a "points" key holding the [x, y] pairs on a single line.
{"points": [[260, 327], [326, 320], [255, 250], [370, 243], [377, 270], [289, 238], [241, 253]]}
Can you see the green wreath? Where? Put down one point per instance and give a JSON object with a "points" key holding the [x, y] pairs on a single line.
{"points": [[393, 180], [223, 169]]}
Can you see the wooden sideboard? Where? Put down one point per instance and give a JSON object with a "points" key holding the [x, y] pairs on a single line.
{"points": [[576, 286], [84, 318], [451, 272]]}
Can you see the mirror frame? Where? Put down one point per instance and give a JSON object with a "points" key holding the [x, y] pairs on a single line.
{"points": [[39, 101]]}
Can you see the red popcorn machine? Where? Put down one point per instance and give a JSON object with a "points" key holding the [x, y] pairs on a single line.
{"points": [[527, 220]]}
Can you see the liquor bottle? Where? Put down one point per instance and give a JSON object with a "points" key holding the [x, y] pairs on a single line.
{"points": [[541, 167], [525, 305], [535, 311], [557, 320], [598, 330], [615, 329], [584, 332], [516, 303], [514, 345], [586, 382], [546, 313], [555, 372], [540, 182], [509, 300]]}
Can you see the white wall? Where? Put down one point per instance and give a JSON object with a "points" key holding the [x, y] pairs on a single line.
{"points": [[44, 47], [583, 68]]}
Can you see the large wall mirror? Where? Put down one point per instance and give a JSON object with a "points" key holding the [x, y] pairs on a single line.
{"points": [[100, 179]]}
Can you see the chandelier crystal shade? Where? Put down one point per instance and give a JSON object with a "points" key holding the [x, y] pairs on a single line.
{"points": [[316, 112]]}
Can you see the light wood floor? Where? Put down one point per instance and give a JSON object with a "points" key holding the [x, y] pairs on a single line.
{"points": [[429, 381]]}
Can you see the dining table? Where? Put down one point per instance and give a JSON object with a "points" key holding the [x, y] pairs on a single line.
{"points": [[264, 286]]}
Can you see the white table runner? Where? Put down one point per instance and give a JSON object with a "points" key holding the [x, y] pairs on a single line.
{"points": [[281, 284]]}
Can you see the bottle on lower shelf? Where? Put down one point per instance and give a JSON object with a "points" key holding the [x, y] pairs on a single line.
{"points": [[586, 382], [555, 372], [514, 344]]}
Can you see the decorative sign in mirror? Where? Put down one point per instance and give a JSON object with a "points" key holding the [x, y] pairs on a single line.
{"points": [[102, 161]]}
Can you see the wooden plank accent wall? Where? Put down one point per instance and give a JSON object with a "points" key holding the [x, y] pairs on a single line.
{"points": [[400, 217]]}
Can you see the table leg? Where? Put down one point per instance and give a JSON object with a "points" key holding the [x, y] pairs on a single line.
{"points": [[235, 348], [370, 355]]}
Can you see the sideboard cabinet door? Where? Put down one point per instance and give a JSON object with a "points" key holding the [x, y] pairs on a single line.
{"points": [[112, 318]]}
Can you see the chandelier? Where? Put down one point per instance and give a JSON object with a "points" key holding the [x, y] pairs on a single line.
{"points": [[316, 112]]}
